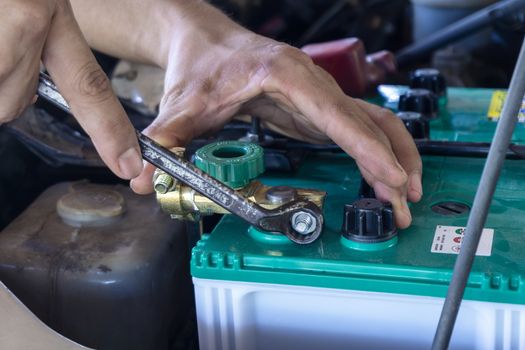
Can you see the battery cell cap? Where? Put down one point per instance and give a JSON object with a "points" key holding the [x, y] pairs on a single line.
{"points": [[416, 125], [421, 101], [368, 220], [430, 79]]}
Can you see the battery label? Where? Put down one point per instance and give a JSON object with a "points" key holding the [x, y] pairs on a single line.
{"points": [[447, 240], [496, 106]]}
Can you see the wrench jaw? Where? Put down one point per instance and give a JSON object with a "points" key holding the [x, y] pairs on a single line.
{"points": [[301, 221]]}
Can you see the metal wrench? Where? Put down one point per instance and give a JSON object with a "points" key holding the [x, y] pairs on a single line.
{"points": [[300, 220]]}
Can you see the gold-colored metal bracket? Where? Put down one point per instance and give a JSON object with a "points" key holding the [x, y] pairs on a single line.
{"points": [[183, 202]]}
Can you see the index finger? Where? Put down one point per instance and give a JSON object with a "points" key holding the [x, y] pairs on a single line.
{"points": [[315, 94], [87, 89], [402, 144]]}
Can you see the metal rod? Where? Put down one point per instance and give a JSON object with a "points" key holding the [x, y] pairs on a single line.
{"points": [[460, 29], [481, 205]]}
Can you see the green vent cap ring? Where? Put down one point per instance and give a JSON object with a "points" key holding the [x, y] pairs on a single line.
{"points": [[234, 163]]}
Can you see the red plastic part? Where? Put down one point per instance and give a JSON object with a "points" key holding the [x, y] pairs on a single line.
{"points": [[347, 62]]}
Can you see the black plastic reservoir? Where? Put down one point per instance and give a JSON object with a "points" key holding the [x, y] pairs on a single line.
{"points": [[100, 265]]}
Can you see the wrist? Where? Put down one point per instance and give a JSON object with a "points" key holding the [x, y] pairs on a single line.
{"points": [[194, 22]]}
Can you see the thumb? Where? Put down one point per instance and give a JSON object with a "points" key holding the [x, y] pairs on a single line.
{"points": [[87, 90]]}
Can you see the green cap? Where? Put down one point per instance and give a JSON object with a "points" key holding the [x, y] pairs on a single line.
{"points": [[233, 163]]}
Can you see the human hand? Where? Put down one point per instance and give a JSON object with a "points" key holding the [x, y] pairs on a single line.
{"points": [[45, 30], [216, 69]]}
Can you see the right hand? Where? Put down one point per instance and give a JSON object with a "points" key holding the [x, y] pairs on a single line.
{"points": [[215, 70], [46, 30]]}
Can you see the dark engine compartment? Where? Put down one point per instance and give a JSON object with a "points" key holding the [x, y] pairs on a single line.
{"points": [[46, 147]]}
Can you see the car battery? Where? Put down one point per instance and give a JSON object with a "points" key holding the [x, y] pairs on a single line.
{"points": [[256, 290]]}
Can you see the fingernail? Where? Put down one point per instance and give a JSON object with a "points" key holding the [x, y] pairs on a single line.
{"points": [[406, 212], [414, 184], [35, 98], [132, 185], [130, 163], [403, 216]]}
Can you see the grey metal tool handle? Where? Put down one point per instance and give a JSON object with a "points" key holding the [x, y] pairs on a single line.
{"points": [[48, 91], [300, 220]]}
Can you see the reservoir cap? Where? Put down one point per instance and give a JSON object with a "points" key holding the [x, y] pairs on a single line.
{"points": [[89, 205]]}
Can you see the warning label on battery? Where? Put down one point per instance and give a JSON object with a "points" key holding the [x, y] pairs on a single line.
{"points": [[447, 240], [496, 106]]}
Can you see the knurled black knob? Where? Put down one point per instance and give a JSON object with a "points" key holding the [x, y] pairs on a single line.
{"points": [[368, 220], [430, 79], [416, 125], [421, 101]]}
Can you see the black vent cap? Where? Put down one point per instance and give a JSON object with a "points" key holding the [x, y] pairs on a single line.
{"points": [[368, 220]]}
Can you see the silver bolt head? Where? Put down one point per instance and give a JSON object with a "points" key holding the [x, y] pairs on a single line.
{"points": [[304, 223], [281, 194]]}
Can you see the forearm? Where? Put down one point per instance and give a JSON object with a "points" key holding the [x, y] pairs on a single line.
{"points": [[142, 30]]}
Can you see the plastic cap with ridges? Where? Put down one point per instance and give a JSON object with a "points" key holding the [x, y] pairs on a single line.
{"points": [[234, 163], [368, 220], [416, 125], [430, 79], [421, 101]]}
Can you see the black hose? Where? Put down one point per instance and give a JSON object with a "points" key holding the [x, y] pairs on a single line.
{"points": [[460, 29]]}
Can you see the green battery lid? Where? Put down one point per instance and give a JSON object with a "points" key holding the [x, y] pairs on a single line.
{"points": [[234, 163], [416, 265]]}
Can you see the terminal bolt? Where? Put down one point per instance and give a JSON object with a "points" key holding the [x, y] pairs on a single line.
{"points": [[303, 223], [163, 183]]}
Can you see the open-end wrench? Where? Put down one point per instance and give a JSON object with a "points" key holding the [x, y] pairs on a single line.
{"points": [[300, 220]]}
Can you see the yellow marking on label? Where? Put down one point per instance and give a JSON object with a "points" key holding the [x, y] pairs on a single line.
{"points": [[496, 106]]}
